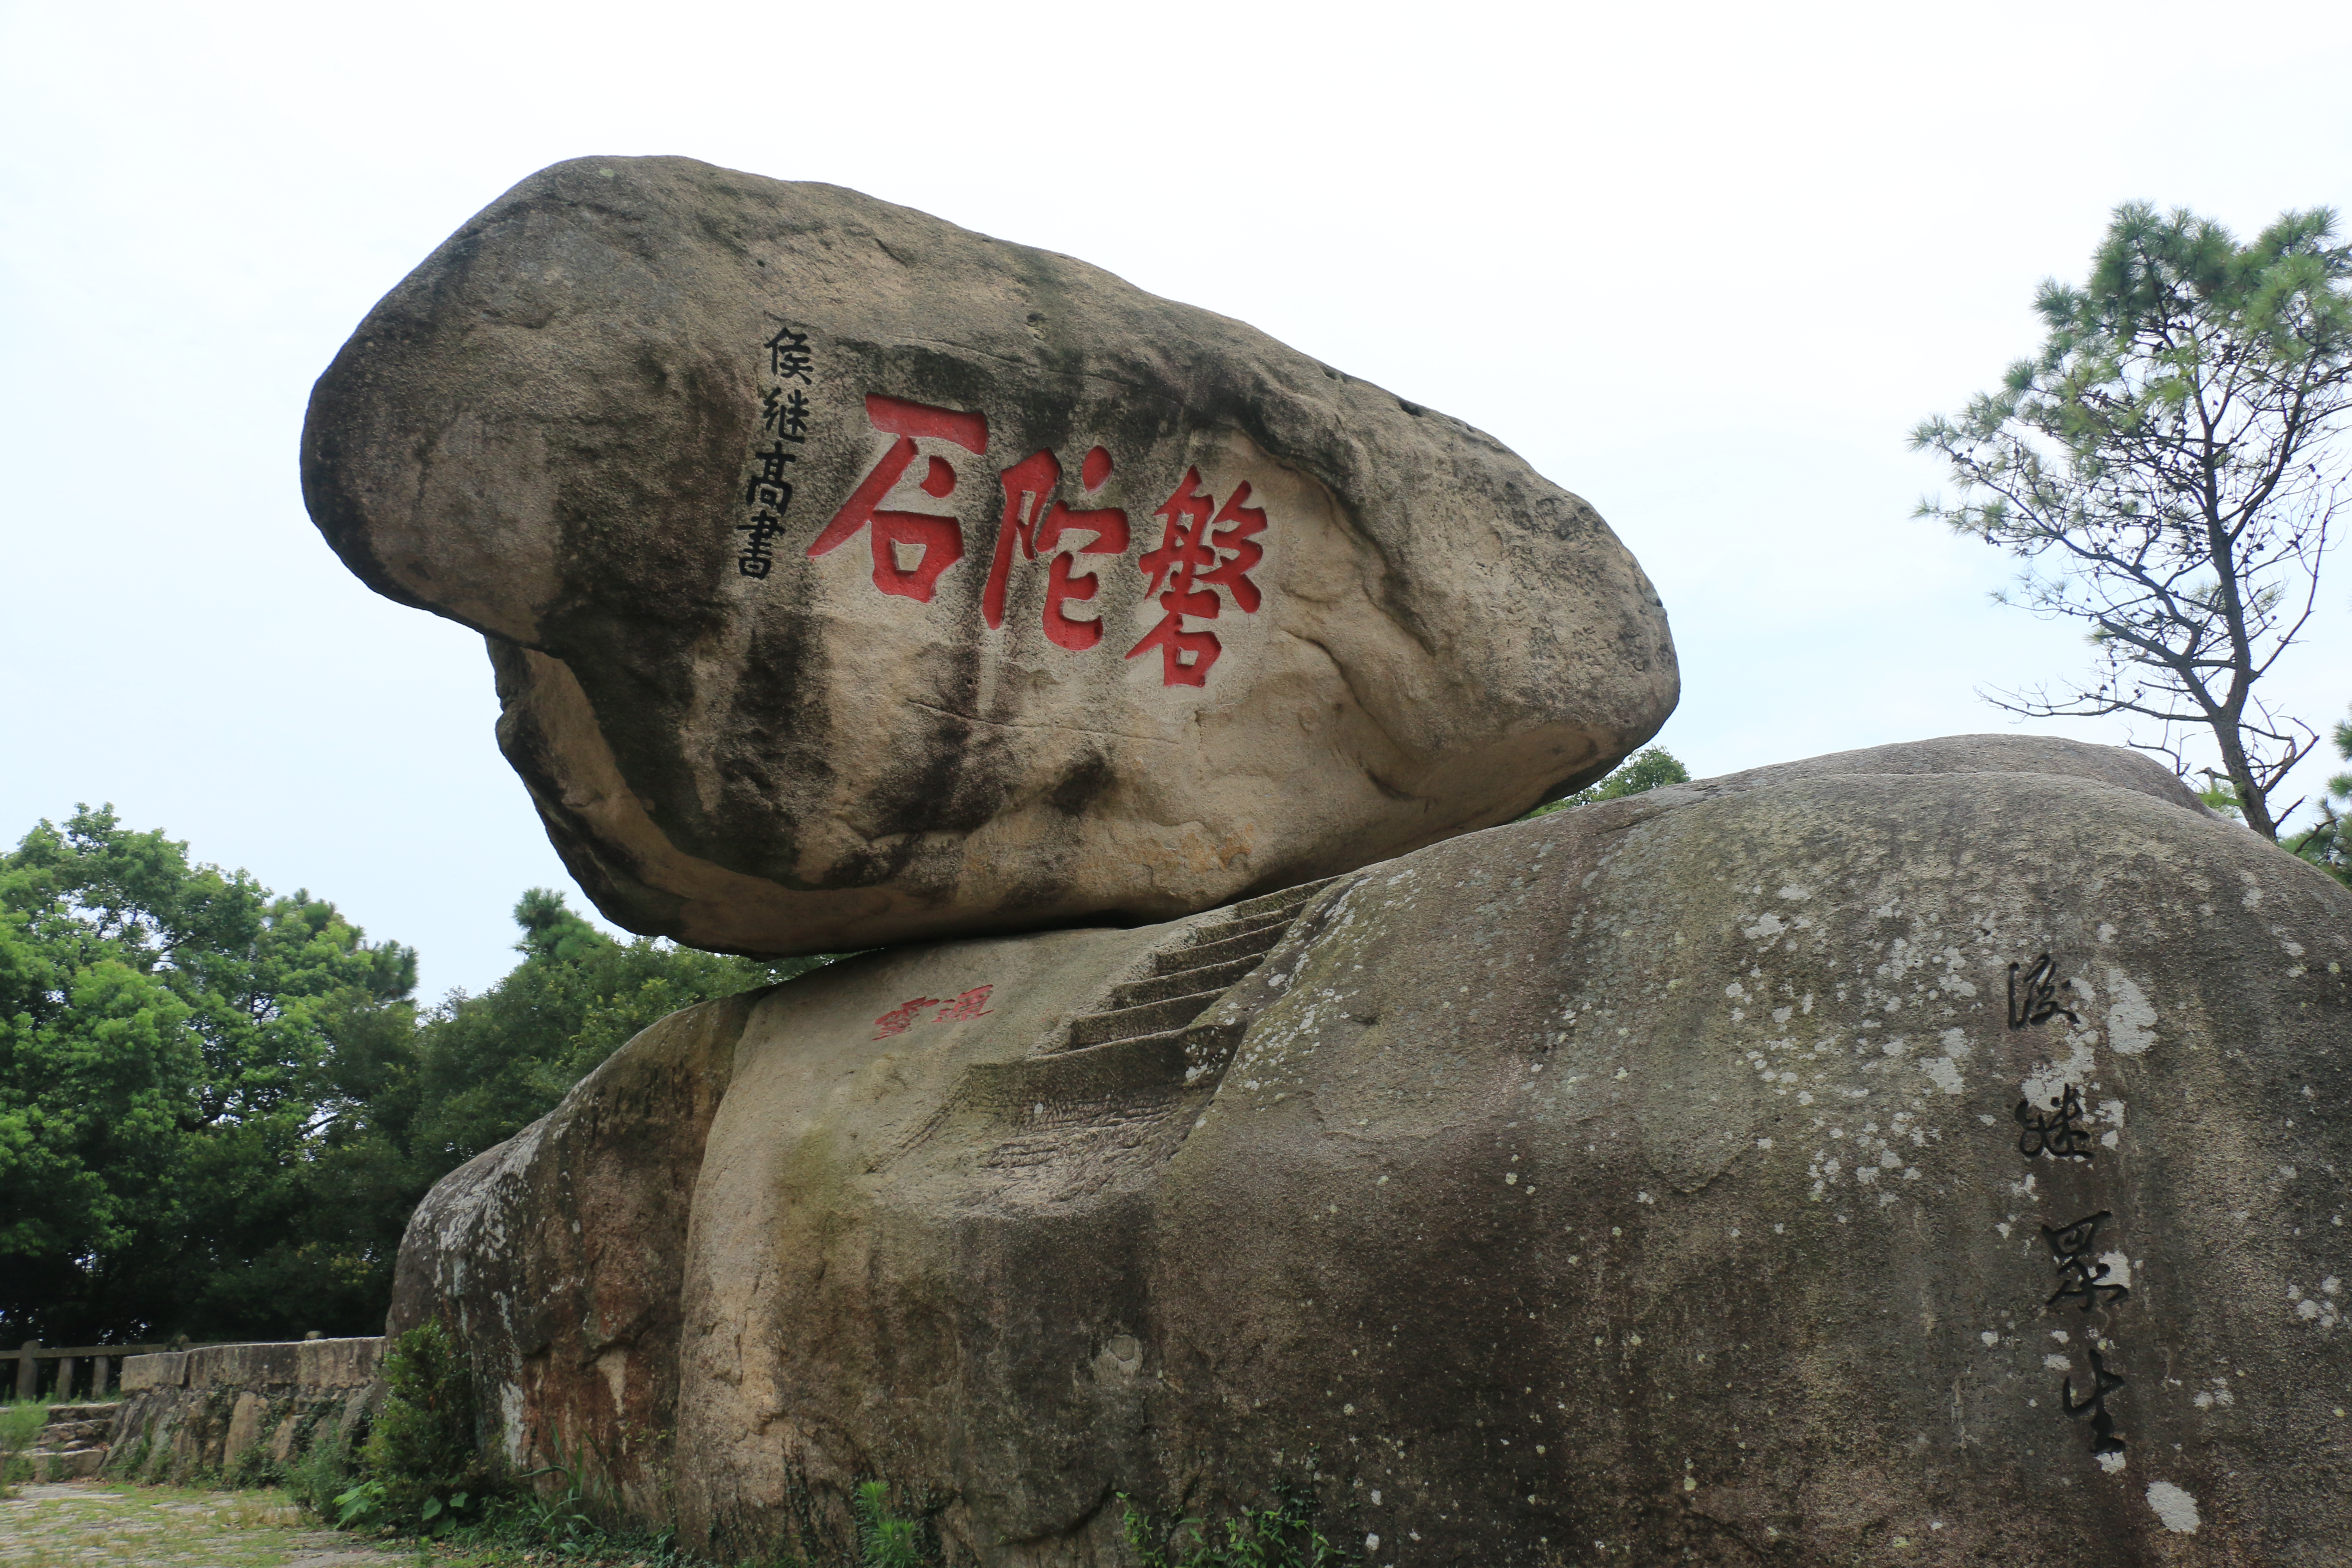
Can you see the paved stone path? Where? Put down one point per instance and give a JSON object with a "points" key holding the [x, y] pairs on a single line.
{"points": [[87, 1524]]}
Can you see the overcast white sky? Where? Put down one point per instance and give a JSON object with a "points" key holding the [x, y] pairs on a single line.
{"points": [[1705, 265]]}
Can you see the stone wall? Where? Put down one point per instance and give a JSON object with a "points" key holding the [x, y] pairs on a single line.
{"points": [[241, 1413]]}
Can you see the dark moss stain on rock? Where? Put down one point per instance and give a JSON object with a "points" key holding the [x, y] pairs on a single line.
{"points": [[1083, 786]]}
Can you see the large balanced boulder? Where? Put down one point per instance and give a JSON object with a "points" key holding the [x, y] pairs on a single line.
{"points": [[1932, 1154], [851, 578]]}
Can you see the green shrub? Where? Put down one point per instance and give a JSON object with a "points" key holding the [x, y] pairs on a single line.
{"points": [[421, 1457], [133, 1461], [1284, 1535], [880, 1537], [360, 1506], [566, 1514], [323, 1473], [254, 1467], [19, 1425], [884, 1540]]}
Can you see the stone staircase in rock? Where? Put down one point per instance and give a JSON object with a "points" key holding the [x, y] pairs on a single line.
{"points": [[1107, 1083], [1153, 1013], [74, 1443]]}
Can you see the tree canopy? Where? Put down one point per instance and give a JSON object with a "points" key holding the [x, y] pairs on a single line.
{"points": [[161, 1026], [219, 1105], [2327, 843], [1645, 770], [2164, 466]]}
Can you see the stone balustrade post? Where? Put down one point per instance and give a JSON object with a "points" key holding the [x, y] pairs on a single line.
{"points": [[28, 1369], [62, 1391]]}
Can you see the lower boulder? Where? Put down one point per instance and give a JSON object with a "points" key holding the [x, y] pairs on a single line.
{"points": [[1930, 1154]]}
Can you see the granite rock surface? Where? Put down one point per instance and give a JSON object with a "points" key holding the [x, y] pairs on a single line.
{"points": [[851, 577], [1931, 1155]]}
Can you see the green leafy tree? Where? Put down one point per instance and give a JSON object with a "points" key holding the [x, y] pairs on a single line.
{"points": [[2328, 844], [1645, 770], [218, 1106], [162, 1026], [2163, 466], [487, 1066], [407, 1096]]}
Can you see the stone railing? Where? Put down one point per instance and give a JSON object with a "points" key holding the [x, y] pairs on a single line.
{"points": [[69, 1365]]}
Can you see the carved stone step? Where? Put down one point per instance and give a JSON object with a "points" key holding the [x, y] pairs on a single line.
{"points": [[1120, 1071], [1184, 981], [1218, 930], [1255, 943], [98, 1412], [1281, 898], [1071, 1084], [1146, 1018], [75, 1434], [66, 1465]]}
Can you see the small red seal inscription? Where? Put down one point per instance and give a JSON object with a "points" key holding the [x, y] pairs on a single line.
{"points": [[972, 1004]]}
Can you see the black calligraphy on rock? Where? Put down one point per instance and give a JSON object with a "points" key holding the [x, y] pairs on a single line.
{"points": [[784, 427], [2081, 1275], [2056, 1128], [2033, 993], [2057, 1131], [2102, 1424]]}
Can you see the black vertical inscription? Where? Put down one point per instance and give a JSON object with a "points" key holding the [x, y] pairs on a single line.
{"points": [[2057, 1131], [2079, 1274], [784, 416], [2033, 993], [2102, 1426]]}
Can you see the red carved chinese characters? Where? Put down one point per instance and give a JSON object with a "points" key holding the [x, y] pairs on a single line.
{"points": [[1037, 522], [1234, 575], [1188, 562], [1027, 485], [938, 536], [1205, 555]]}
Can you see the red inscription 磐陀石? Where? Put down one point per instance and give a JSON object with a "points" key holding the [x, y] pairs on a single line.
{"points": [[1038, 524], [938, 535], [1193, 563], [1205, 555]]}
